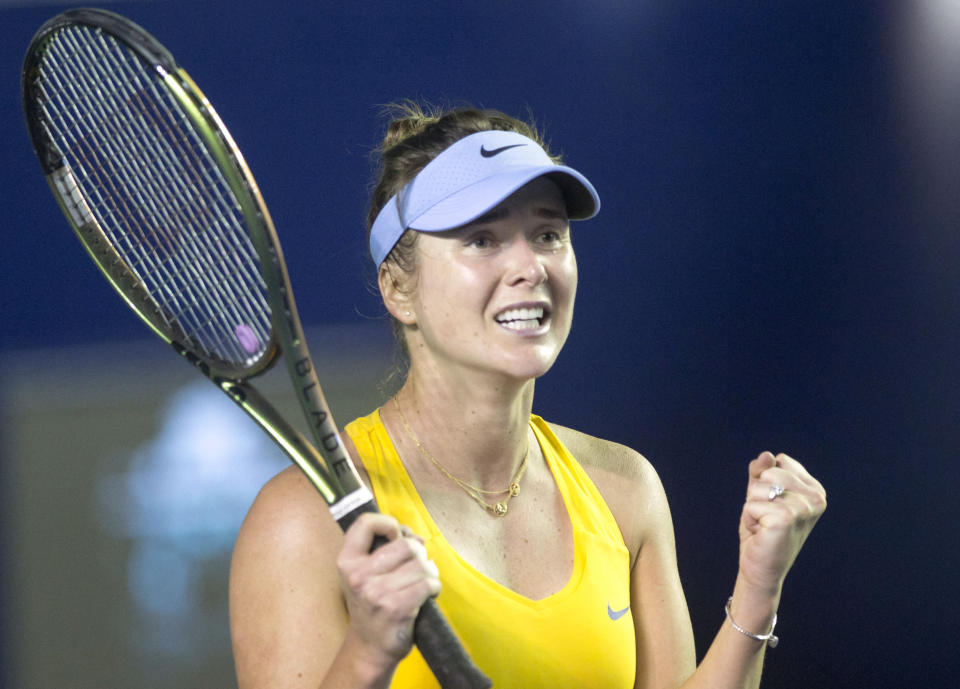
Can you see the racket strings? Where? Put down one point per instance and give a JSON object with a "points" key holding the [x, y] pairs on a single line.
{"points": [[146, 111], [157, 192], [103, 161], [165, 246]]}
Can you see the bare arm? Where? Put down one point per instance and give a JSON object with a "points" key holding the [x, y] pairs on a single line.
{"points": [[772, 533], [312, 607], [665, 647]]}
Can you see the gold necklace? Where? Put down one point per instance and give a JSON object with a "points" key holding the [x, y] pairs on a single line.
{"points": [[498, 509]]}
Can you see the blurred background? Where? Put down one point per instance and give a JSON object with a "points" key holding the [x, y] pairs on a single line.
{"points": [[774, 267]]}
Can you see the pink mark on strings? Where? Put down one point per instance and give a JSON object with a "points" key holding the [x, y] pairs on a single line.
{"points": [[248, 339]]}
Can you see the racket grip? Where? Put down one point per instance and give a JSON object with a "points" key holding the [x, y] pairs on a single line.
{"points": [[444, 653], [433, 635]]}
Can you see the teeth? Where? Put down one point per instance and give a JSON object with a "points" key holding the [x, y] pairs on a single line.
{"points": [[514, 315], [521, 325]]}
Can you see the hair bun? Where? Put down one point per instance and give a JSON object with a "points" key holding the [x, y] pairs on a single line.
{"points": [[407, 119]]}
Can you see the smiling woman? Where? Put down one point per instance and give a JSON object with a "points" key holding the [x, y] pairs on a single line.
{"points": [[550, 551], [496, 293]]}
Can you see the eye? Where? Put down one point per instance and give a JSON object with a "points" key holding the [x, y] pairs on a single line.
{"points": [[553, 235], [479, 241]]}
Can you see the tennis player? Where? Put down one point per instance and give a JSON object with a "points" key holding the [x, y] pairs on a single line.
{"points": [[550, 551]]}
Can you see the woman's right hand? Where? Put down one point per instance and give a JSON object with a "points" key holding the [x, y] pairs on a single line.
{"points": [[384, 589]]}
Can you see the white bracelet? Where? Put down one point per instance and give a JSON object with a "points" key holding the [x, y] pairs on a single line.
{"points": [[769, 637]]}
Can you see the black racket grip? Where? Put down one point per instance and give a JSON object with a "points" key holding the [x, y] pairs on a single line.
{"points": [[435, 638], [444, 653]]}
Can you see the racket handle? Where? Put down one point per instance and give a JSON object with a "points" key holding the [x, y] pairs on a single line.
{"points": [[435, 638], [444, 653]]}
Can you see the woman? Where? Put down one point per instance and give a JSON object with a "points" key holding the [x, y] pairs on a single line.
{"points": [[549, 542]]}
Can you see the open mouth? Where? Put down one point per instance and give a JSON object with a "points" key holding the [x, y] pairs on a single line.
{"points": [[520, 319]]}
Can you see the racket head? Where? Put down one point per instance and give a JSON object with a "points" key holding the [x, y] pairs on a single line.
{"points": [[154, 187], [101, 97]]}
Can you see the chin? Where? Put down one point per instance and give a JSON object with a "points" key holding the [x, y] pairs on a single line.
{"points": [[531, 370]]}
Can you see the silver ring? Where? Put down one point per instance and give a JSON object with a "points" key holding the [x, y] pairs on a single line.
{"points": [[776, 490]]}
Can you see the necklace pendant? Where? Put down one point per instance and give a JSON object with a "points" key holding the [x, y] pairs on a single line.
{"points": [[514, 489], [500, 509]]}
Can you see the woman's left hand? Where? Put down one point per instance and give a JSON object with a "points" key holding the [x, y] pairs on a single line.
{"points": [[783, 504]]}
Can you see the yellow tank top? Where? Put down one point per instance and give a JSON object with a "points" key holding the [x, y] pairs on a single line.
{"points": [[581, 636]]}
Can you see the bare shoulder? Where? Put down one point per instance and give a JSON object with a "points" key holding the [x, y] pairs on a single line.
{"points": [[289, 524], [604, 455], [288, 507], [289, 512], [627, 481], [283, 579], [287, 530]]}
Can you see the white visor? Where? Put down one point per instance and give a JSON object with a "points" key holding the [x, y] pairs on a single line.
{"points": [[468, 179]]}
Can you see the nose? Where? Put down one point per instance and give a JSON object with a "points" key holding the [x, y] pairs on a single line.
{"points": [[525, 265]]}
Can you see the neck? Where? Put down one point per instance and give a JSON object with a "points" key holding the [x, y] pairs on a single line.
{"points": [[479, 431]]}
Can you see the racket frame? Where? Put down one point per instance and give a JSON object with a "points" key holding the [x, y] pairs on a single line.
{"points": [[330, 469], [331, 472]]}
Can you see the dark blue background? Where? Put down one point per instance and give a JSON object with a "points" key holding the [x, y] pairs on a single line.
{"points": [[769, 270]]}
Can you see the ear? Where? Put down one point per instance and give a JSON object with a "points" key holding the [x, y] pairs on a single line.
{"points": [[394, 284]]}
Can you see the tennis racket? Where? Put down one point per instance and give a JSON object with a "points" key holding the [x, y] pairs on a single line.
{"points": [[164, 203]]}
